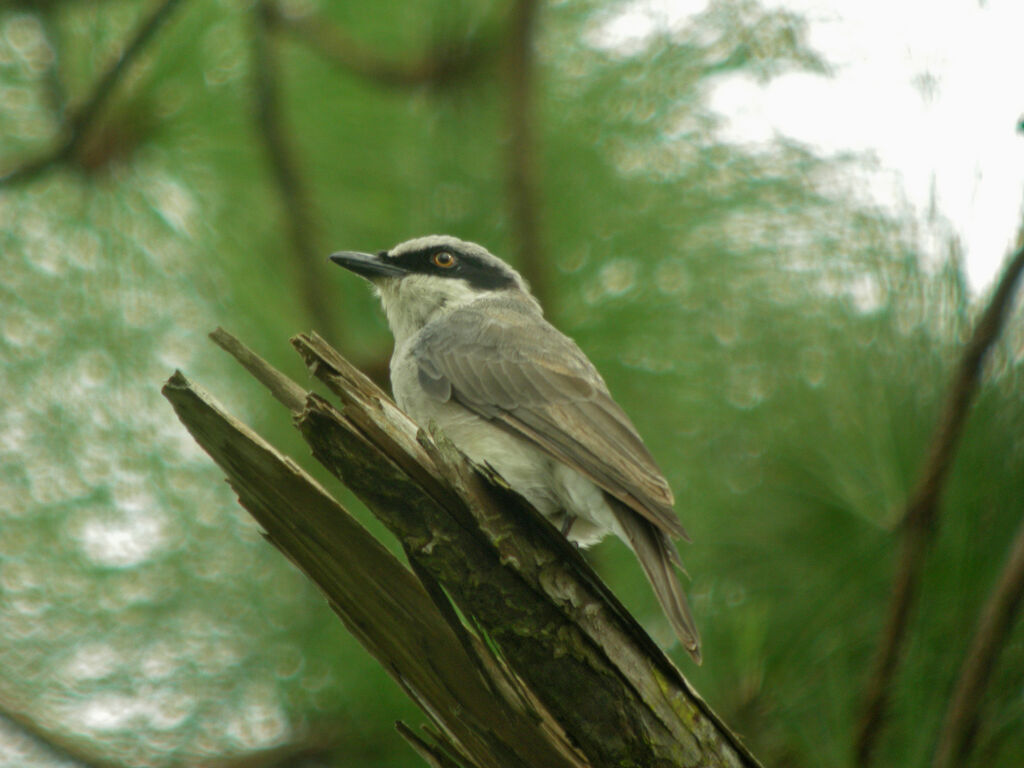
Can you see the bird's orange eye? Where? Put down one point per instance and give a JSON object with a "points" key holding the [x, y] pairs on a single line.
{"points": [[443, 259]]}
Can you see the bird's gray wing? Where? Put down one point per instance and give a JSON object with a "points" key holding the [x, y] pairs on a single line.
{"points": [[512, 367]]}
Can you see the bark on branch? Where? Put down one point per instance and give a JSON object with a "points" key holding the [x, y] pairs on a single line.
{"points": [[552, 670]]}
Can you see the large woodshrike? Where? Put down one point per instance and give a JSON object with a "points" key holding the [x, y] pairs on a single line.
{"points": [[474, 354]]}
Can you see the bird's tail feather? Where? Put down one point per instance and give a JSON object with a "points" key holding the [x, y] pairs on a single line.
{"points": [[658, 556]]}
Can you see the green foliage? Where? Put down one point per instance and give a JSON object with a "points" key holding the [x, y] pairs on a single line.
{"points": [[781, 348]]}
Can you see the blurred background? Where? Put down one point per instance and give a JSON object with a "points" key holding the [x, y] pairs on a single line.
{"points": [[781, 335]]}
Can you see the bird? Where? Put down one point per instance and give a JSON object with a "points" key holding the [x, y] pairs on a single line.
{"points": [[474, 354]]}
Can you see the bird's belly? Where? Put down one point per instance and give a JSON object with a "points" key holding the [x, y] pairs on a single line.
{"points": [[554, 488], [526, 468]]}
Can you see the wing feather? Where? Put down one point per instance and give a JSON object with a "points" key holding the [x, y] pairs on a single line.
{"points": [[516, 369], [522, 383]]}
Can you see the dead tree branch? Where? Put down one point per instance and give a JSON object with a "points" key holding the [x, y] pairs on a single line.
{"points": [[82, 118], [434, 756], [523, 184], [921, 513], [308, 260], [572, 667], [957, 735], [375, 596]]}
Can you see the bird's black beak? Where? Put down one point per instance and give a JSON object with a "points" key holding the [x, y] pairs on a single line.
{"points": [[366, 264]]}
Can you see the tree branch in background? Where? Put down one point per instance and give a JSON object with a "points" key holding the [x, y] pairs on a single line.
{"points": [[82, 118], [443, 65], [56, 93], [49, 737], [523, 185], [307, 259], [957, 735], [557, 673], [921, 512], [321, 747]]}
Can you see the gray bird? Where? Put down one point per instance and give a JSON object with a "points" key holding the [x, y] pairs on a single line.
{"points": [[474, 353]]}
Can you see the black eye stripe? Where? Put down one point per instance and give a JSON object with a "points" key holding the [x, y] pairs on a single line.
{"points": [[478, 272]]}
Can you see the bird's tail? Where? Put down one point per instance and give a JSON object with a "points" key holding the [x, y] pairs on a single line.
{"points": [[658, 557]]}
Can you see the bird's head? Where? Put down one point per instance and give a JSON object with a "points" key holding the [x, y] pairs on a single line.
{"points": [[420, 279]]}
